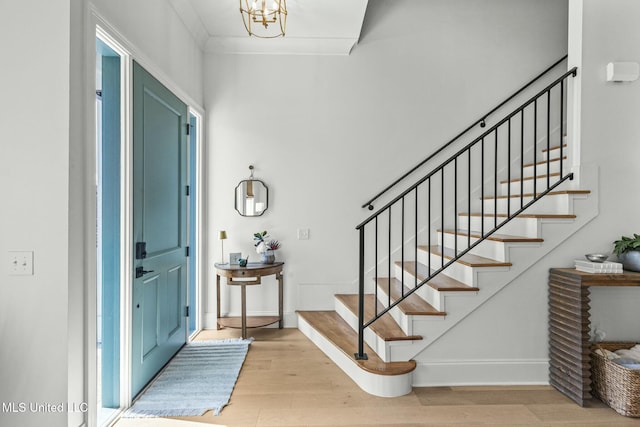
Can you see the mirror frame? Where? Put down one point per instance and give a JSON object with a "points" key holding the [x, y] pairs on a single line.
{"points": [[242, 200]]}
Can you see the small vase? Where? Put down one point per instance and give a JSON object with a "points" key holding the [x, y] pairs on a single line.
{"points": [[630, 260], [268, 257]]}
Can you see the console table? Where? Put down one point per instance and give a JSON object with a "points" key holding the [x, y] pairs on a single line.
{"points": [[569, 327], [250, 275]]}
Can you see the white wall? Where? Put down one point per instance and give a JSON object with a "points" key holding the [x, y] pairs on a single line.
{"points": [[34, 164], [327, 133]]}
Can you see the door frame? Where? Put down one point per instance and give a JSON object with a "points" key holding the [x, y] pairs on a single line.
{"points": [[198, 246], [98, 27]]}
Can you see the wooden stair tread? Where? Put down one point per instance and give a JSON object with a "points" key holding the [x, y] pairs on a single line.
{"points": [[544, 150], [529, 178], [506, 238], [330, 325], [412, 305], [441, 282], [385, 327], [468, 259], [541, 216], [551, 193]]}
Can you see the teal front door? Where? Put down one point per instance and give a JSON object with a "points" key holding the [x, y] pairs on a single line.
{"points": [[159, 226]]}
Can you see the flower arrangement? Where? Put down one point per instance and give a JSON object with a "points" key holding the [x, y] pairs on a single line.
{"points": [[265, 247], [262, 245]]}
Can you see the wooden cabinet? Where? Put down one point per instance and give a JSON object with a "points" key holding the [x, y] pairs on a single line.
{"points": [[569, 327]]}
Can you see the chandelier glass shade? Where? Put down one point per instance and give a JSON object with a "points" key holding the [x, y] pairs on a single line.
{"points": [[264, 18]]}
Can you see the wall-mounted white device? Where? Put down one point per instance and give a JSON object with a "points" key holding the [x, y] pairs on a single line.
{"points": [[622, 71]]}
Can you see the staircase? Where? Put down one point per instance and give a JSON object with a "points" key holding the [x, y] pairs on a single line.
{"points": [[449, 243]]}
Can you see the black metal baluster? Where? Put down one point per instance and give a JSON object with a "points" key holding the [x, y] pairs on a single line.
{"points": [[535, 147], [441, 216], [455, 209], [522, 158], [561, 126], [495, 180], [509, 167], [402, 248], [481, 188], [389, 256], [415, 241], [469, 201], [429, 227], [548, 138], [375, 266]]}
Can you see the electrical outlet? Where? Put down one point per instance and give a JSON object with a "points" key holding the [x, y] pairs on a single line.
{"points": [[303, 234], [20, 263]]}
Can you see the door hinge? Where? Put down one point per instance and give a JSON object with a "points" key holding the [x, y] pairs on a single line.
{"points": [[188, 190], [186, 251], [186, 311]]}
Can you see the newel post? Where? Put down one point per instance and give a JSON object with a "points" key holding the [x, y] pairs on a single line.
{"points": [[361, 355]]}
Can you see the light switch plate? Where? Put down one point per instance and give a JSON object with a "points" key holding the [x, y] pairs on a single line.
{"points": [[303, 234], [20, 263]]}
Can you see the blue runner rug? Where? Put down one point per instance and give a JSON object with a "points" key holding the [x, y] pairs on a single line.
{"points": [[199, 378]]}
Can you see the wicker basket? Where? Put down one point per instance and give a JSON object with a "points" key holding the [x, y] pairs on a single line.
{"points": [[615, 385]]}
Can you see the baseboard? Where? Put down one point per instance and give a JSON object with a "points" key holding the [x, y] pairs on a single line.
{"points": [[481, 372]]}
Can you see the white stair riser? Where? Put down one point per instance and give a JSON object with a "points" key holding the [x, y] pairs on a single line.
{"points": [[553, 154], [526, 227], [556, 203], [540, 169], [526, 186], [488, 249]]}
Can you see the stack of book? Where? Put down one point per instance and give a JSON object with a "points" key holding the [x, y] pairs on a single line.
{"points": [[598, 267]]}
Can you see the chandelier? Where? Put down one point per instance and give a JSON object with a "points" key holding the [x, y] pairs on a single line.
{"points": [[260, 13]]}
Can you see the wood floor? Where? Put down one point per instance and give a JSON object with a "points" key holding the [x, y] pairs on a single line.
{"points": [[287, 381]]}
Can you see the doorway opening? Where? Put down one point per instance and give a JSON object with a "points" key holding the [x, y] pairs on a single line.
{"points": [[108, 232]]}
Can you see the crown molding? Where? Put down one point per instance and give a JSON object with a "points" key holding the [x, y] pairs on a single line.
{"points": [[280, 46]]}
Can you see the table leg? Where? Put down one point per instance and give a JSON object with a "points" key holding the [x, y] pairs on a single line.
{"points": [[244, 311], [217, 300], [280, 298]]}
